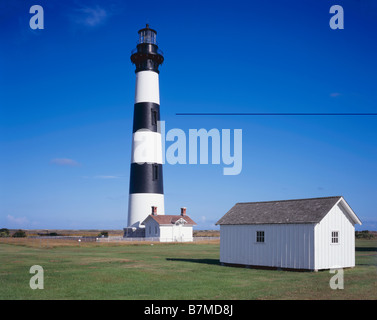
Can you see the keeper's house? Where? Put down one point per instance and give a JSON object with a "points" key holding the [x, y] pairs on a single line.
{"points": [[308, 234], [168, 228]]}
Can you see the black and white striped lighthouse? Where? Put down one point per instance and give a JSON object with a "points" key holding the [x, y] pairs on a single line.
{"points": [[146, 183]]}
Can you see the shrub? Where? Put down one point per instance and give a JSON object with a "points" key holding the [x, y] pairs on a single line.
{"points": [[19, 234], [103, 234], [365, 234], [4, 232]]}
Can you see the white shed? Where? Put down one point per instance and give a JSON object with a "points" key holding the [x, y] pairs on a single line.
{"points": [[308, 234], [169, 228]]}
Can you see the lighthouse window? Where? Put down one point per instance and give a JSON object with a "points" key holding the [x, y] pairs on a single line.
{"points": [[155, 172], [147, 36], [154, 117]]}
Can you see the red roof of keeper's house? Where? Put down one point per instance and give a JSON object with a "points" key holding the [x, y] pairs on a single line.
{"points": [[169, 219]]}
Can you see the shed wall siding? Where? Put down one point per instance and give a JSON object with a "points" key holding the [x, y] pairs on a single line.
{"points": [[328, 255], [152, 225], [285, 245]]}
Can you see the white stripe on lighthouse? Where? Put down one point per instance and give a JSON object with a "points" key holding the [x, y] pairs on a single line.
{"points": [[146, 147], [140, 206], [147, 87]]}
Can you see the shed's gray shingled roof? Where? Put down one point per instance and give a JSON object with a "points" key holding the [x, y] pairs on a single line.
{"points": [[283, 211]]}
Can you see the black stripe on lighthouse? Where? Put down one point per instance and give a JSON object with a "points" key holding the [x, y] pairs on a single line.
{"points": [[146, 116], [146, 178]]}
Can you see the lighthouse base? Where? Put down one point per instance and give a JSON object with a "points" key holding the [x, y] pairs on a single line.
{"points": [[132, 232]]}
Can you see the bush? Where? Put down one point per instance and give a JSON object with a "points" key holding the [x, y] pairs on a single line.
{"points": [[4, 232], [19, 234], [103, 234], [365, 234], [53, 234]]}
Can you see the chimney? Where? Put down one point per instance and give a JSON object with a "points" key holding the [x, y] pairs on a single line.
{"points": [[154, 211], [183, 211]]}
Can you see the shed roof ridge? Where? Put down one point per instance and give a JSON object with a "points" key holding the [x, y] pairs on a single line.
{"points": [[286, 200], [308, 210]]}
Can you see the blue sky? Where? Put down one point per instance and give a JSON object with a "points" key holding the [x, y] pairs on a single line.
{"points": [[67, 95]]}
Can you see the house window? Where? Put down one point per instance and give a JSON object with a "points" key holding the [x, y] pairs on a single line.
{"points": [[334, 236], [155, 229], [260, 236]]}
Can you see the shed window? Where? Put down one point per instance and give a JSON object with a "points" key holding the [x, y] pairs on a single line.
{"points": [[260, 236], [335, 237]]}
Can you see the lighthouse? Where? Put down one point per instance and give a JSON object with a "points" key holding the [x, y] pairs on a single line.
{"points": [[146, 182]]}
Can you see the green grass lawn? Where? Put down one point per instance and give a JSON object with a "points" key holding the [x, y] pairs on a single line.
{"points": [[169, 271]]}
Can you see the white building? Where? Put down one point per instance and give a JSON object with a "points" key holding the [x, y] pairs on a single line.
{"points": [[168, 228], [309, 234]]}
